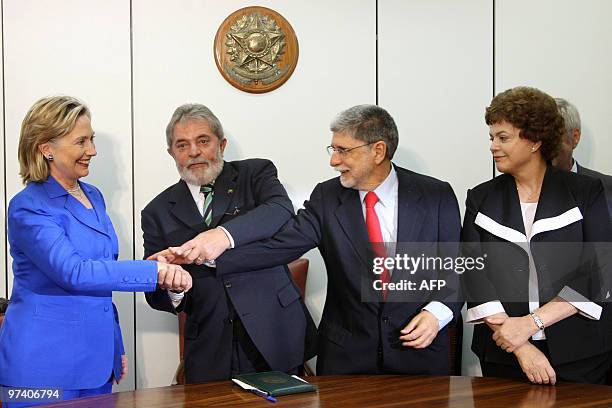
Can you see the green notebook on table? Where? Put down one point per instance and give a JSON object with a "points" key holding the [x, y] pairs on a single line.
{"points": [[276, 383]]}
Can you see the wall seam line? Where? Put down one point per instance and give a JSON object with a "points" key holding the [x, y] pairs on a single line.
{"points": [[376, 40], [493, 79], [133, 190], [6, 265]]}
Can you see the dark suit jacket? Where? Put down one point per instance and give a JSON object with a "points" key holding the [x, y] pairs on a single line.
{"points": [[357, 336], [606, 181], [251, 204], [568, 217]]}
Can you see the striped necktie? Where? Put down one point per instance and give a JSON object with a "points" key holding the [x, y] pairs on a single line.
{"points": [[208, 192]]}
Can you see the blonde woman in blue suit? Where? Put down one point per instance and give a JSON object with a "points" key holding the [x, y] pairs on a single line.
{"points": [[61, 329]]}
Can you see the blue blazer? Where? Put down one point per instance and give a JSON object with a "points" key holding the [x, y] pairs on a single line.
{"points": [[61, 328]]}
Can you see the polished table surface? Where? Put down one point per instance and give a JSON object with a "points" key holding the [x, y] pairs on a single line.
{"points": [[369, 391]]}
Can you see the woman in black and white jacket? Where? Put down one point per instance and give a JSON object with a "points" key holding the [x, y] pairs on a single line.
{"points": [[540, 296]]}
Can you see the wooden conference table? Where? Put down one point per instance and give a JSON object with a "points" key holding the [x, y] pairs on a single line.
{"points": [[369, 391]]}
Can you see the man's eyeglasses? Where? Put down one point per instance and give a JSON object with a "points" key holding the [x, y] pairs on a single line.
{"points": [[342, 151]]}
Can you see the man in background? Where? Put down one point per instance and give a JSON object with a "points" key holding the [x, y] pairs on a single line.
{"points": [[565, 159]]}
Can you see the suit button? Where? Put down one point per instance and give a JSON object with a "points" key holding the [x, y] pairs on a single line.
{"points": [[385, 319], [126, 279], [228, 285], [380, 351], [137, 279], [150, 280], [229, 320], [106, 308]]}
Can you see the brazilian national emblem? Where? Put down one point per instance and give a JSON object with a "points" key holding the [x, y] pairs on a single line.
{"points": [[256, 49]]}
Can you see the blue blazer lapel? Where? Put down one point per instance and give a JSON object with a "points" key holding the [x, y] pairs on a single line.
{"points": [[350, 217], [78, 211]]}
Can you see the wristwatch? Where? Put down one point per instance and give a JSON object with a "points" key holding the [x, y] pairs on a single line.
{"points": [[537, 321]]}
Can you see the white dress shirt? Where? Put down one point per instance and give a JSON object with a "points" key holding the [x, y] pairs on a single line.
{"points": [[387, 209]]}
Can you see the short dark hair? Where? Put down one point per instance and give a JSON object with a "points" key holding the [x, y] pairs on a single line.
{"points": [[532, 111], [368, 123]]}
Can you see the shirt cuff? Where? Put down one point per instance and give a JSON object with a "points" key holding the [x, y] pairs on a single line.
{"points": [[176, 298], [476, 314], [585, 307], [229, 236], [441, 311]]}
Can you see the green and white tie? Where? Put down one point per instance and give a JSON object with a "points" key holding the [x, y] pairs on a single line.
{"points": [[208, 192]]}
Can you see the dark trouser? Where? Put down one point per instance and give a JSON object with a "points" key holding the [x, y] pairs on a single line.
{"points": [[591, 370], [245, 356]]}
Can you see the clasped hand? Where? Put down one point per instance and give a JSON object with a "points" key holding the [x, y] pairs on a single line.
{"points": [[206, 246], [172, 277], [511, 332]]}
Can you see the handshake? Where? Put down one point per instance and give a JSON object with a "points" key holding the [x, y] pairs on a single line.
{"points": [[204, 248], [172, 277]]}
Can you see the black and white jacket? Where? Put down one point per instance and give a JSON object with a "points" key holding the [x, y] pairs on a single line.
{"points": [[569, 247]]}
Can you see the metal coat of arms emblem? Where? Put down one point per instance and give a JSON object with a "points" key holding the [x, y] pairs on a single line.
{"points": [[256, 49]]}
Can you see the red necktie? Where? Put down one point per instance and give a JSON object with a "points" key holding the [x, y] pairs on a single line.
{"points": [[373, 226]]}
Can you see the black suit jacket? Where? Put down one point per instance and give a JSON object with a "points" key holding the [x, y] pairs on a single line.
{"points": [[358, 336], [251, 203], [606, 181], [567, 224]]}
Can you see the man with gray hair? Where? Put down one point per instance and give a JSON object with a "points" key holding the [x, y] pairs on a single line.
{"points": [[565, 159], [238, 323], [368, 325]]}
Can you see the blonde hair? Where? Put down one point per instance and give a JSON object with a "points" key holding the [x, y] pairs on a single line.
{"points": [[47, 120]]}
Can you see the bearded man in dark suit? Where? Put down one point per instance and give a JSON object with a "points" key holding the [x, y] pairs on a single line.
{"points": [[237, 323]]}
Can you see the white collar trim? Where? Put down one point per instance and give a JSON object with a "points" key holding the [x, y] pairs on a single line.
{"points": [[501, 231], [558, 222], [545, 224]]}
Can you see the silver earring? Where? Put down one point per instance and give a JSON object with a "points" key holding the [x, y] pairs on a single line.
{"points": [[50, 157], [533, 148]]}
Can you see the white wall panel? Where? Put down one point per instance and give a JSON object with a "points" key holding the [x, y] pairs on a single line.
{"points": [[81, 49], [174, 64], [562, 47], [3, 261], [435, 78]]}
